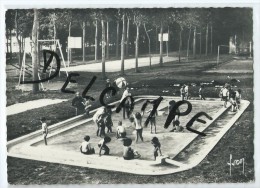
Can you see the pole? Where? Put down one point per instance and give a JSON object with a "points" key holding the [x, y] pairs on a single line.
{"points": [[207, 34], [250, 49], [218, 55], [167, 48], [107, 40], [235, 44], [167, 43], [83, 40], [200, 42], [230, 167], [244, 166], [194, 42], [211, 42]]}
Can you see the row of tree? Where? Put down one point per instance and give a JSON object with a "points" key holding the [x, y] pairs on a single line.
{"points": [[217, 25]]}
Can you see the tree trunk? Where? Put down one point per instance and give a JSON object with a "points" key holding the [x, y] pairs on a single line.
{"points": [[17, 38], [156, 40], [180, 44], [207, 33], [188, 45], [69, 50], [83, 41], [7, 43], [107, 40], [103, 49], [211, 42], [161, 45], [136, 47], [11, 52], [117, 38], [23, 43], [123, 47], [35, 87], [194, 42], [127, 38], [167, 42], [149, 47], [96, 42], [200, 42]]}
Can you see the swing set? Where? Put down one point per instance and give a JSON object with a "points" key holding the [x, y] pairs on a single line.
{"points": [[27, 68]]}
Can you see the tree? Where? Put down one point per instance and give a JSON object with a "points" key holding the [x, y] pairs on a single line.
{"points": [[149, 46], [139, 18], [10, 25], [189, 21], [127, 37], [179, 19], [23, 21], [35, 31], [123, 46], [117, 38], [161, 43], [161, 17], [103, 49]]}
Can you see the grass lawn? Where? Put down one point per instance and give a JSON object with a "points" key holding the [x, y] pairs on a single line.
{"points": [[238, 141]]}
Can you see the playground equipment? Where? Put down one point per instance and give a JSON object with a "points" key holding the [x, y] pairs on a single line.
{"points": [[27, 69]]}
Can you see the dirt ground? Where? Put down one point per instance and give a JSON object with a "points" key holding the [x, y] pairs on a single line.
{"points": [[156, 81]]}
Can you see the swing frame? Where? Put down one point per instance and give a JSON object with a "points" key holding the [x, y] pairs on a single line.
{"points": [[23, 68]]}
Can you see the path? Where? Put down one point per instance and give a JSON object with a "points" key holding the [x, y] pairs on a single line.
{"points": [[114, 66], [235, 66], [22, 107]]}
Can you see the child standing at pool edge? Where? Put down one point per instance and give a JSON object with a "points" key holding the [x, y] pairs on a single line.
{"points": [[157, 147], [44, 129]]}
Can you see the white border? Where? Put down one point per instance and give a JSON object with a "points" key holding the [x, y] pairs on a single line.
{"points": [[5, 4]]}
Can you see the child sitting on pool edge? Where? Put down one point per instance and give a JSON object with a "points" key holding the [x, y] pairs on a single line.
{"points": [[129, 153], [86, 147], [102, 145]]}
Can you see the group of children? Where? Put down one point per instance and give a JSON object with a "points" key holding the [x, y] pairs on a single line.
{"points": [[185, 95], [128, 152], [136, 120], [227, 93], [103, 118]]}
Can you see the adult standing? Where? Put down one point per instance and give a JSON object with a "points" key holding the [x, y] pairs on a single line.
{"points": [[127, 104], [225, 95], [182, 92], [108, 84], [201, 93], [98, 119], [79, 103], [186, 91]]}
